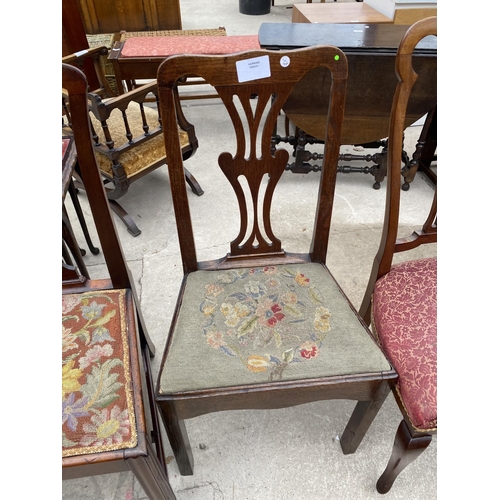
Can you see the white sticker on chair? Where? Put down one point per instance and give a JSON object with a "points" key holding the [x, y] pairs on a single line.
{"points": [[253, 69], [285, 61]]}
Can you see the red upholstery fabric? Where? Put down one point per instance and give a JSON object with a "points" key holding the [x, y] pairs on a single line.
{"points": [[405, 318], [163, 46]]}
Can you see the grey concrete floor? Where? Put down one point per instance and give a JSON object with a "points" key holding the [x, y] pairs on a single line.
{"points": [[284, 454]]}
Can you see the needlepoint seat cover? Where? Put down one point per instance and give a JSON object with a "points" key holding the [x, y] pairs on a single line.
{"points": [[405, 318], [258, 324], [97, 400], [144, 155]]}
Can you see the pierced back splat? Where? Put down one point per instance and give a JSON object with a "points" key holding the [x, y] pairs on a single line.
{"points": [[254, 168]]}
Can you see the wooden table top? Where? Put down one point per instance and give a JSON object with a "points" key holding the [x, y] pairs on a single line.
{"points": [[350, 38], [371, 52], [346, 12]]}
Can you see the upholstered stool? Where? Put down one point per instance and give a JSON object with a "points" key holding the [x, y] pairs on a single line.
{"points": [[139, 57]]}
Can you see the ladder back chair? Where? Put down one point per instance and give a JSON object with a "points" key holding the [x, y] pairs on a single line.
{"points": [[262, 328], [401, 299], [109, 418], [128, 136]]}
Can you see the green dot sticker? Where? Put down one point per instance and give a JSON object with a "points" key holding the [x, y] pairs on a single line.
{"points": [[337, 57]]}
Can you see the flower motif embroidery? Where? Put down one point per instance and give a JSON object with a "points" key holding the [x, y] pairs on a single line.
{"points": [[92, 311], [322, 319], [94, 354], [270, 270], [257, 363], [309, 350], [275, 318], [72, 410], [215, 339], [106, 427], [269, 313], [70, 378], [94, 382], [301, 279], [68, 339], [255, 289]]}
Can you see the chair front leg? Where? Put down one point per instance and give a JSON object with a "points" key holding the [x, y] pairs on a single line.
{"points": [[178, 438], [151, 475], [361, 419], [406, 449]]}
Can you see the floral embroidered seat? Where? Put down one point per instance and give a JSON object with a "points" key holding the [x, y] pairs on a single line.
{"points": [[261, 327], [256, 325], [98, 402], [109, 419], [401, 299]]}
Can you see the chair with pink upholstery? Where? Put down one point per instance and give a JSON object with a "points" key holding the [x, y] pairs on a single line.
{"points": [[401, 299]]}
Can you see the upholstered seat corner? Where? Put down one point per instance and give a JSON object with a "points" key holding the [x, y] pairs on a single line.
{"points": [[97, 401], [405, 320]]}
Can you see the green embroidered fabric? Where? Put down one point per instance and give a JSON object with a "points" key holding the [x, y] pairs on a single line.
{"points": [[254, 325], [97, 401]]}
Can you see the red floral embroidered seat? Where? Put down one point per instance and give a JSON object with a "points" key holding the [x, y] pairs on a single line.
{"points": [[98, 406], [109, 420], [405, 319]]}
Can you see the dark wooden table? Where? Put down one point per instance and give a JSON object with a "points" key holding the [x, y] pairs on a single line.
{"points": [[371, 51]]}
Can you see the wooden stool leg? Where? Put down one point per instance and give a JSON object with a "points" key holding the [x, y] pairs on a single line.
{"points": [[405, 450]]}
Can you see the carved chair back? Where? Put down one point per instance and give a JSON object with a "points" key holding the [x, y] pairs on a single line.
{"points": [[253, 108]]}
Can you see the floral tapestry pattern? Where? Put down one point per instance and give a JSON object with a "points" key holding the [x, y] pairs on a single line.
{"points": [[97, 410], [269, 317], [405, 316]]}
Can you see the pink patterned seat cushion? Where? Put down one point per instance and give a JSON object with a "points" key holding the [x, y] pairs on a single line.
{"points": [[405, 318], [163, 46]]}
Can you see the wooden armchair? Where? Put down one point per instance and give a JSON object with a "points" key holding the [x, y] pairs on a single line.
{"points": [[262, 328], [127, 136], [401, 299], [109, 419]]}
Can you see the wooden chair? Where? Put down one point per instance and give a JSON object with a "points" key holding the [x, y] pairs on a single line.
{"points": [[261, 327], [110, 422], [401, 300], [127, 135]]}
